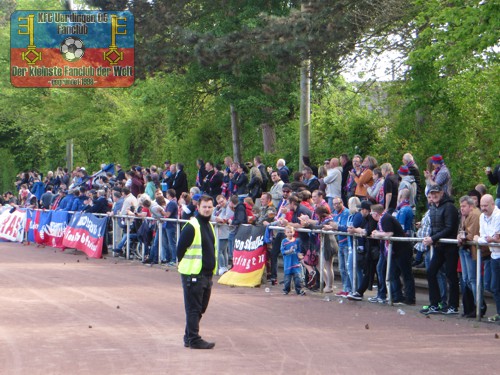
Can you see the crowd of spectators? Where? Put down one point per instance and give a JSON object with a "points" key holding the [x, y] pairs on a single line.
{"points": [[357, 196]]}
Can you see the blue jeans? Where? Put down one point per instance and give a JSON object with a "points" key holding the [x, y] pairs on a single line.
{"points": [[123, 241], [171, 234], [468, 270], [497, 202], [443, 288], [350, 270], [487, 282], [381, 274], [401, 266], [330, 203], [296, 280], [223, 256], [343, 268], [230, 247], [495, 281]]}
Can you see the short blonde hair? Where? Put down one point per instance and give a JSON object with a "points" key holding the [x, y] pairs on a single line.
{"points": [[353, 205]]}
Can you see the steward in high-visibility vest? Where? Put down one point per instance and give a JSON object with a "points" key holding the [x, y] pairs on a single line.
{"points": [[197, 254], [192, 261]]}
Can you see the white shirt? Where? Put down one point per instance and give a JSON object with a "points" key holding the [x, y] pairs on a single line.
{"points": [[489, 226], [333, 181], [129, 201]]}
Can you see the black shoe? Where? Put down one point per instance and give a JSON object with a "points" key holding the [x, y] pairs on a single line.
{"points": [[186, 345], [146, 261], [202, 344]]}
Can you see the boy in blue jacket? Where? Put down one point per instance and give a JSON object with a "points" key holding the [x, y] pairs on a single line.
{"points": [[291, 253]]}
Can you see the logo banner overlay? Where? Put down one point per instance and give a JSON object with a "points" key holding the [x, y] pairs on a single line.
{"points": [[72, 49]]}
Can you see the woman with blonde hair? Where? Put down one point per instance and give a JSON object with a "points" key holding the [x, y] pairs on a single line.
{"points": [[355, 220]]}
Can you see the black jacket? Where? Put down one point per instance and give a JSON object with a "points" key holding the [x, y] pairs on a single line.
{"points": [[444, 221], [494, 178], [240, 215], [416, 175], [100, 206], [180, 183], [241, 181]]}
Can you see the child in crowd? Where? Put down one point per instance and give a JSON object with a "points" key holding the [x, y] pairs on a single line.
{"points": [[249, 205], [291, 254]]}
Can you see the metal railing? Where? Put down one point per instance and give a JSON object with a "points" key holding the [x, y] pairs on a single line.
{"points": [[387, 281], [321, 233]]}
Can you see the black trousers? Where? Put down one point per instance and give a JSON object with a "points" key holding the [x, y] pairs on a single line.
{"points": [[197, 290], [449, 257], [275, 251]]}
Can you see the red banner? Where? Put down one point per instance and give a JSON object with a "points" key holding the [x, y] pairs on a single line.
{"points": [[85, 232]]}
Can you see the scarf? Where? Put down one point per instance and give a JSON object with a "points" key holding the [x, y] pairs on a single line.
{"points": [[404, 203]]}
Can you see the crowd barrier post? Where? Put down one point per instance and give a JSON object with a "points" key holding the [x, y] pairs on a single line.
{"points": [[388, 277], [128, 237], [177, 233], [354, 263], [216, 230], [113, 226], [479, 281], [160, 239], [321, 260]]}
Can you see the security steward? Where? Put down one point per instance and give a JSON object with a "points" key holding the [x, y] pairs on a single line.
{"points": [[197, 254]]}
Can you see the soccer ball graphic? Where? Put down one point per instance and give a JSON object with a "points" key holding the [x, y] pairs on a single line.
{"points": [[72, 49]]}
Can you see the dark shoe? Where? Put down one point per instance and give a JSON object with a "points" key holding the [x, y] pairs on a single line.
{"points": [[202, 344], [450, 311], [146, 261], [354, 296], [427, 310]]}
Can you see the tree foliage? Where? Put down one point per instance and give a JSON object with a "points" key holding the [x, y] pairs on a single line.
{"points": [[195, 58]]}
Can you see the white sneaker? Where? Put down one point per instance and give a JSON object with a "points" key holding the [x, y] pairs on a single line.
{"points": [[222, 271]]}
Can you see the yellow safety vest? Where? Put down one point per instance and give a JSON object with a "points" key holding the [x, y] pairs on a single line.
{"points": [[191, 262]]}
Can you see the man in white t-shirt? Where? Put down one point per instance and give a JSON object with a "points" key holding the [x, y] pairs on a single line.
{"points": [[489, 233]]}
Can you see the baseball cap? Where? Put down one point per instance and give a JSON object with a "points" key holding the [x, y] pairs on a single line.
{"points": [[366, 205], [196, 197], [435, 188]]}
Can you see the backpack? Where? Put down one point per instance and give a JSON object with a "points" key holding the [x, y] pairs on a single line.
{"points": [[145, 232]]}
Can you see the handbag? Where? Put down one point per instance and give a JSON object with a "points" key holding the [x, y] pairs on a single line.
{"points": [[311, 258]]}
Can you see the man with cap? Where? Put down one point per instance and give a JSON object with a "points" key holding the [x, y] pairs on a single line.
{"points": [[439, 176], [444, 225]]}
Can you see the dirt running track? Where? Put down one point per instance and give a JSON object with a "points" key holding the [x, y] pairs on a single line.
{"points": [[61, 313]]}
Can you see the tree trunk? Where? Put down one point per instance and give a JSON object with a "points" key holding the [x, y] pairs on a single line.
{"points": [[268, 137], [305, 111], [235, 123]]}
